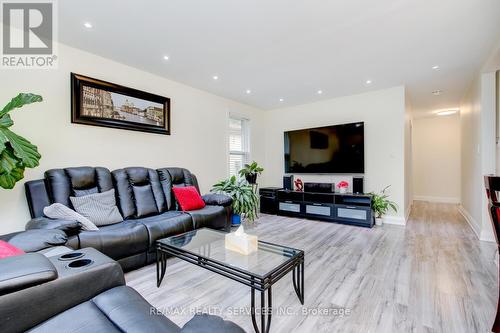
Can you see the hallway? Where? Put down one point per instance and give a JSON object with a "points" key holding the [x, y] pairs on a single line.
{"points": [[453, 275]]}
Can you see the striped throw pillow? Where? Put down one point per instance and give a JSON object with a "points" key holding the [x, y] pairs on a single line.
{"points": [[59, 211], [100, 208]]}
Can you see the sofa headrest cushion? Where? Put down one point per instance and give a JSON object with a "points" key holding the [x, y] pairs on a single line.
{"points": [[139, 192], [138, 176], [82, 177], [180, 176], [77, 181]]}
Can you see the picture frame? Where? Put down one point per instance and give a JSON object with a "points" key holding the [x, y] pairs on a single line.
{"points": [[100, 103]]}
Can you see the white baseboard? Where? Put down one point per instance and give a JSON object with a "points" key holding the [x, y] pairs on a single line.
{"points": [[471, 221], [408, 211], [450, 200], [396, 220], [399, 220], [487, 237]]}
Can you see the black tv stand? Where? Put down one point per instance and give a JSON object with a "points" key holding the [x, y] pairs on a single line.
{"points": [[349, 208]]}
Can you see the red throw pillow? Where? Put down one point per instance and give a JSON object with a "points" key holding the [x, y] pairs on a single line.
{"points": [[188, 198], [8, 250]]}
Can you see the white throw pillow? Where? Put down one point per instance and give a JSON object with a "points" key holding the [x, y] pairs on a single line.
{"points": [[100, 208], [60, 211]]}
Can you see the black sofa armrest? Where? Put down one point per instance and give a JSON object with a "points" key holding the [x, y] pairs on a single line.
{"points": [[216, 199], [70, 227], [130, 312], [24, 271], [25, 308], [36, 239]]}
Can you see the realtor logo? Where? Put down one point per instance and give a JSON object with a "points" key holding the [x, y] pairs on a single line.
{"points": [[28, 35]]}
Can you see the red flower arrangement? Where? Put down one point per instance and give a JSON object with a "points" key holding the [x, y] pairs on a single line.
{"points": [[343, 184]]}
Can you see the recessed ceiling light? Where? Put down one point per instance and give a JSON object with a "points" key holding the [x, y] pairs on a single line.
{"points": [[320, 92], [215, 77], [437, 92], [166, 57], [368, 81], [282, 100], [447, 112], [435, 67], [248, 91], [87, 25]]}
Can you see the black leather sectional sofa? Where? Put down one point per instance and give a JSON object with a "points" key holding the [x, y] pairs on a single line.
{"points": [[83, 290], [145, 199]]}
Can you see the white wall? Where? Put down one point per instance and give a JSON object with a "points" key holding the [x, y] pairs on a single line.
{"points": [[470, 121], [436, 158], [478, 122], [478, 118], [408, 153], [382, 111], [198, 139], [488, 146], [498, 123]]}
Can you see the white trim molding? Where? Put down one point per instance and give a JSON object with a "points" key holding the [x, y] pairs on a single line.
{"points": [[470, 220], [450, 200], [487, 237], [396, 220], [408, 211]]}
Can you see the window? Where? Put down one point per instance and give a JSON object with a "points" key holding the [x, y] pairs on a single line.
{"points": [[239, 144]]}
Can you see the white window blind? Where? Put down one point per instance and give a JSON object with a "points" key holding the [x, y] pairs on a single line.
{"points": [[239, 148]]}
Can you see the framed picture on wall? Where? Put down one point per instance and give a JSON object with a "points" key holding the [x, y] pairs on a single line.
{"points": [[100, 103]]}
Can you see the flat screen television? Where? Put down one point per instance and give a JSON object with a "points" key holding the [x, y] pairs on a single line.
{"points": [[332, 149]]}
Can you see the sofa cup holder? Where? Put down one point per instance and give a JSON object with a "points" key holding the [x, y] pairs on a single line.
{"points": [[80, 263], [71, 256]]}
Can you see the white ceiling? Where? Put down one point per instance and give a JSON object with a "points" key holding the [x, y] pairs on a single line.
{"points": [[290, 49]]}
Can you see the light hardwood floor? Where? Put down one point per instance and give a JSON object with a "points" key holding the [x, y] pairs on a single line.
{"points": [[432, 276]]}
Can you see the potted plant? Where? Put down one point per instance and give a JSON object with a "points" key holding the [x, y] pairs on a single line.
{"points": [[250, 172], [343, 186], [381, 205], [16, 153], [245, 201]]}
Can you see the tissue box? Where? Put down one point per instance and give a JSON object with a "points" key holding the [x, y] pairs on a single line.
{"points": [[244, 244]]}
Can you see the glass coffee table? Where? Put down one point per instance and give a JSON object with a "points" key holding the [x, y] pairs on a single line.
{"points": [[259, 270]]}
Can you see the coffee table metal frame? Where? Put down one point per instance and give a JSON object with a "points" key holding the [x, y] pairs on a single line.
{"points": [[259, 283]]}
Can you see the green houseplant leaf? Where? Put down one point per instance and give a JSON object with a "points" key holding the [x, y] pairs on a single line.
{"points": [[19, 101], [12, 170], [250, 172], [16, 153], [245, 201], [251, 169], [381, 204], [23, 149], [6, 121]]}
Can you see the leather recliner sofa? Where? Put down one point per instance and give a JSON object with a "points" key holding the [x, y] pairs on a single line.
{"points": [[82, 291], [145, 199]]}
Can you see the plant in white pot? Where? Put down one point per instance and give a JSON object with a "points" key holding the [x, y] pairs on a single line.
{"points": [[381, 205]]}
